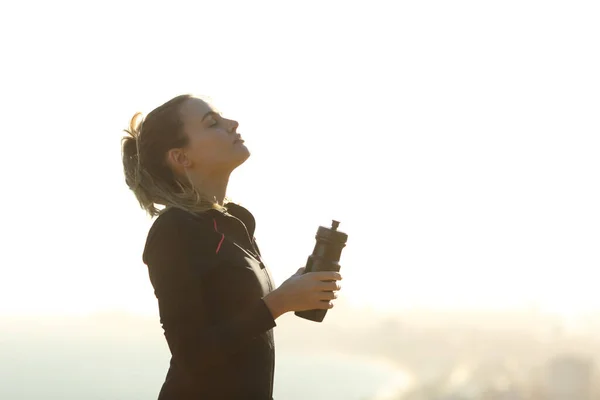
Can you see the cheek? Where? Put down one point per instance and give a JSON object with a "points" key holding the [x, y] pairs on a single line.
{"points": [[210, 149]]}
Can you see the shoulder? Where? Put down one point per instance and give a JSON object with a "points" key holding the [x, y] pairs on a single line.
{"points": [[175, 218], [177, 230]]}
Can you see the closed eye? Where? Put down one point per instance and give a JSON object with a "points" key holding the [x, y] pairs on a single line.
{"points": [[213, 117], [212, 122]]}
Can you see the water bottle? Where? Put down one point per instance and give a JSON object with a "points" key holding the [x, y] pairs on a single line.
{"points": [[325, 257]]}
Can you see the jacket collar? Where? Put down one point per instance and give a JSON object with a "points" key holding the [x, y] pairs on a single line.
{"points": [[241, 213]]}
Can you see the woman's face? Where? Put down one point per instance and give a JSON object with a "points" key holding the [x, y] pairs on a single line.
{"points": [[214, 146]]}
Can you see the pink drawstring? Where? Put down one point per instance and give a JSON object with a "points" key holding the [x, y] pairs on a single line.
{"points": [[222, 237]]}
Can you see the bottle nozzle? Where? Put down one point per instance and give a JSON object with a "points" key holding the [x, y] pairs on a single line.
{"points": [[335, 224]]}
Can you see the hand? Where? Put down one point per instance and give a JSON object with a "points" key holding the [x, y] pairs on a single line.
{"points": [[304, 291]]}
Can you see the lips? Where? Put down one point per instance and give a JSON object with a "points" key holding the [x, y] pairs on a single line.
{"points": [[236, 141]]}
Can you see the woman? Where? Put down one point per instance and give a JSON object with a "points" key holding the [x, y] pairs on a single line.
{"points": [[216, 298]]}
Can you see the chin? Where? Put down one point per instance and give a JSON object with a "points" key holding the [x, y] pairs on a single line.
{"points": [[246, 153], [241, 158]]}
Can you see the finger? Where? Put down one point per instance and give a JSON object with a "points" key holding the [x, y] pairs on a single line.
{"points": [[327, 295], [326, 275], [328, 286], [324, 305], [300, 271]]}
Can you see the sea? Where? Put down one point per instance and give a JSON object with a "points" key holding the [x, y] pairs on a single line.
{"points": [[115, 357], [36, 367]]}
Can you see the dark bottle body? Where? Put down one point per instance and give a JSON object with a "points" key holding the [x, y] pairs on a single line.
{"points": [[325, 257]]}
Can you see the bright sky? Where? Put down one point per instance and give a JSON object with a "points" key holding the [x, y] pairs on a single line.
{"points": [[457, 142]]}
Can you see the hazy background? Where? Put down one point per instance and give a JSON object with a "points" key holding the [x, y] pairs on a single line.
{"points": [[456, 141]]}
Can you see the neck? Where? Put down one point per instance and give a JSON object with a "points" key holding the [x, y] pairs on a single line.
{"points": [[213, 186]]}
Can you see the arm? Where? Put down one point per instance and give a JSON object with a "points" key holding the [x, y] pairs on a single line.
{"points": [[178, 257], [272, 300]]}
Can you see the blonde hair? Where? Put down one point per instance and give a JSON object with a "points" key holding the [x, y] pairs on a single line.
{"points": [[147, 173]]}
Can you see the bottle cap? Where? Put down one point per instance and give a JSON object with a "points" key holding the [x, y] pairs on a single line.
{"points": [[332, 234]]}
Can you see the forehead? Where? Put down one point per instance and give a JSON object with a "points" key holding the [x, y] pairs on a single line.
{"points": [[196, 109]]}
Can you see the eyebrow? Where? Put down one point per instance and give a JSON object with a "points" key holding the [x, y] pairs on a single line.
{"points": [[210, 113]]}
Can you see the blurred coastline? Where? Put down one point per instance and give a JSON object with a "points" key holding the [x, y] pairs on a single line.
{"points": [[353, 354]]}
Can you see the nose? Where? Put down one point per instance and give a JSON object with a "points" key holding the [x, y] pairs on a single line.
{"points": [[233, 126]]}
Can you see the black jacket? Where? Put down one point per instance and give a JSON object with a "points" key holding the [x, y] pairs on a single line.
{"points": [[210, 281]]}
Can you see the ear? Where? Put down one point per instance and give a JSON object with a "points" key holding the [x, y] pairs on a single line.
{"points": [[178, 159]]}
